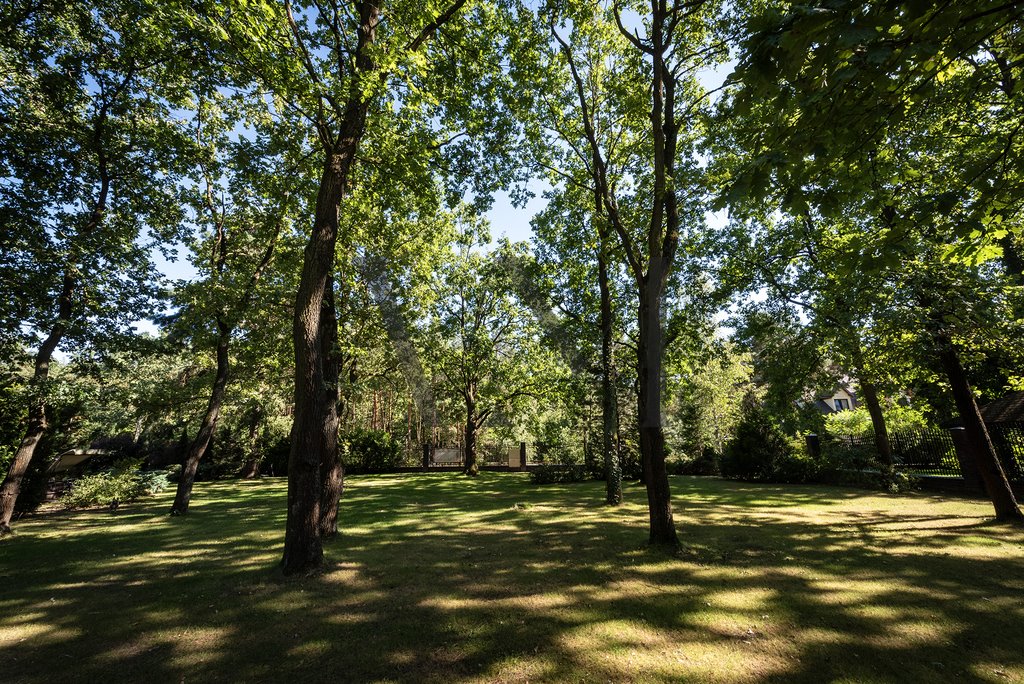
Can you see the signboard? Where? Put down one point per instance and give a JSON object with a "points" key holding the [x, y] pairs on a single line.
{"points": [[447, 455]]}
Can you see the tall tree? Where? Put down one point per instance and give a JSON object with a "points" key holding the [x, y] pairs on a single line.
{"points": [[398, 73], [243, 200], [640, 154], [573, 239], [917, 105], [89, 150], [483, 341]]}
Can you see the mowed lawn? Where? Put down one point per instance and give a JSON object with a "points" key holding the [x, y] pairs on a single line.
{"points": [[442, 578]]}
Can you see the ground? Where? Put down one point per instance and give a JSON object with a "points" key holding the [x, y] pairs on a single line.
{"points": [[443, 578]]}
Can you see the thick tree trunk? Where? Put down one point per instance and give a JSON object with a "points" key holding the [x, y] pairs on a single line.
{"points": [[332, 470], [314, 437], [609, 400], [996, 484], [315, 423], [652, 437], [199, 445]]}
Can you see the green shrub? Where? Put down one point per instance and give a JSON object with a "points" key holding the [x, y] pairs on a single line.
{"points": [[795, 466], [121, 483], [550, 473], [758, 451], [370, 450], [708, 463]]}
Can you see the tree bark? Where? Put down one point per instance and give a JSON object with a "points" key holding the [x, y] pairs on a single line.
{"points": [[315, 424], [992, 474], [869, 393], [197, 449], [882, 444], [315, 427], [652, 436], [37, 423], [609, 400], [470, 467], [332, 472]]}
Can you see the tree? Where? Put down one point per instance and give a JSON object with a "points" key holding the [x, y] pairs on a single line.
{"points": [[918, 106], [574, 251], [244, 198], [89, 150], [639, 156], [396, 77], [484, 342]]}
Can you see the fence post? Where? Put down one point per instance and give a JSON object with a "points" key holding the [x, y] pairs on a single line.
{"points": [[426, 456], [813, 445], [522, 456], [966, 458]]}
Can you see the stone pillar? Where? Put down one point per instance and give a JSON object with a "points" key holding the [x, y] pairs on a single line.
{"points": [[966, 458], [426, 456], [522, 456]]}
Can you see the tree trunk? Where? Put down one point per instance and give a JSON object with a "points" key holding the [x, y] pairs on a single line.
{"points": [[314, 438], [996, 484], [870, 395], [209, 425], [882, 444], [652, 436], [315, 425], [37, 424], [609, 402], [471, 467], [332, 471]]}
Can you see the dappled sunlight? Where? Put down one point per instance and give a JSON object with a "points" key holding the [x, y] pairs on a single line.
{"points": [[445, 578]]}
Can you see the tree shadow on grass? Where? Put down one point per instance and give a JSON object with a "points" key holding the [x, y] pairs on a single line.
{"points": [[489, 579]]}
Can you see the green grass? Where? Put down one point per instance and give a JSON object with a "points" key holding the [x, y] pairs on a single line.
{"points": [[443, 578]]}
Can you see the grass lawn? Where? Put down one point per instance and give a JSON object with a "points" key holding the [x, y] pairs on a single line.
{"points": [[441, 578]]}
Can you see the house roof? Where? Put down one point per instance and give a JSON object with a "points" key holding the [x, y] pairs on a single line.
{"points": [[1008, 409]]}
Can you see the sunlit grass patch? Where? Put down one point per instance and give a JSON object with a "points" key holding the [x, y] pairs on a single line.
{"points": [[443, 578]]}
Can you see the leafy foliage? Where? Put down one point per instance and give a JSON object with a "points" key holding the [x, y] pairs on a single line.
{"points": [[367, 451], [760, 452], [122, 483]]}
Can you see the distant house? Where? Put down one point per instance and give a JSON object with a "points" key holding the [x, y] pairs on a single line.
{"points": [[73, 457], [842, 398]]}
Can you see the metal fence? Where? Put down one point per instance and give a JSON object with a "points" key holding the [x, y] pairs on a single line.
{"points": [[931, 451], [1008, 440], [925, 452]]}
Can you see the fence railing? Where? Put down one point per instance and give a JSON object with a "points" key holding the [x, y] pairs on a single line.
{"points": [[1008, 440], [925, 452], [931, 451]]}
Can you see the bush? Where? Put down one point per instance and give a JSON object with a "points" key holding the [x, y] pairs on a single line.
{"points": [[121, 483], [370, 450], [555, 474], [855, 465], [708, 463], [759, 452]]}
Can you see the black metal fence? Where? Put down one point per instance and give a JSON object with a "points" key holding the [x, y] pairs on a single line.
{"points": [[1008, 439], [925, 452], [931, 451]]}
